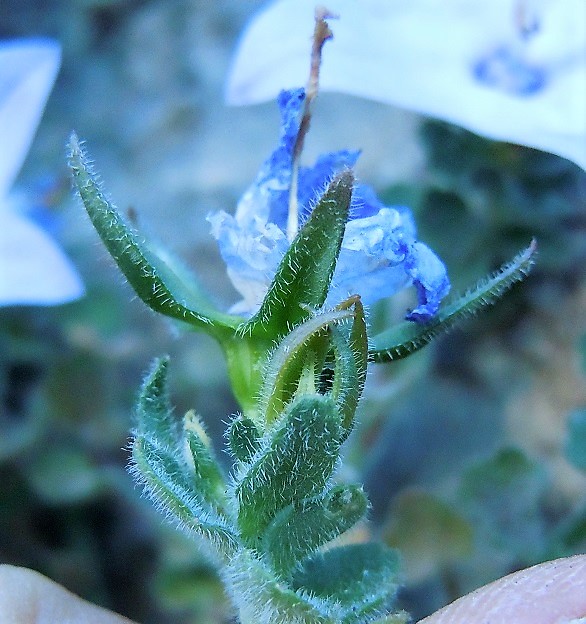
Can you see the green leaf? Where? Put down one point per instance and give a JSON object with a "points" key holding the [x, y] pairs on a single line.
{"points": [[303, 278], [502, 497], [262, 598], [60, 475], [299, 530], [167, 483], [153, 411], [569, 536], [208, 479], [155, 276], [160, 464], [295, 462], [350, 362], [359, 579], [243, 438], [407, 337], [286, 363]]}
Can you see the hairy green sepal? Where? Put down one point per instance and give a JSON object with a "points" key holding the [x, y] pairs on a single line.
{"points": [[303, 278], [156, 277]]}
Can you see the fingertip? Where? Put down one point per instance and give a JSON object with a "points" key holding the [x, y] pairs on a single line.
{"points": [[27, 597], [549, 593]]}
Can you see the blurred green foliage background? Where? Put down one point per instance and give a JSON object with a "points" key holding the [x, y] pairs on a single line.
{"points": [[473, 451]]}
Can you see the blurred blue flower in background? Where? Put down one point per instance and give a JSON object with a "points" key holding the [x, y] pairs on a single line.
{"points": [[379, 255], [33, 270], [510, 70]]}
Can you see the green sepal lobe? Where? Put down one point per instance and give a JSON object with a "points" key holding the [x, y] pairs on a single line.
{"points": [[303, 278], [157, 278], [207, 475], [243, 438]]}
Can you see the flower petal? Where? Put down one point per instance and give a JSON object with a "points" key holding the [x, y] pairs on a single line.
{"points": [[28, 68], [439, 59], [430, 279], [380, 256], [33, 270], [270, 190], [252, 252]]}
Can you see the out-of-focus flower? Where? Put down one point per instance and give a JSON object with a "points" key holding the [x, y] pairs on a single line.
{"points": [[33, 270], [379, 255], [510, 70]]}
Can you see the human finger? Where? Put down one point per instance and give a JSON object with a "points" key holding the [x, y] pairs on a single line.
{"points": [[27, 597], [549, 593]]}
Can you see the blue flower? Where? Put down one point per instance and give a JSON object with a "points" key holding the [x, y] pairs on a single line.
{"points": [[380, 254], [510, 70], [33, 269]]}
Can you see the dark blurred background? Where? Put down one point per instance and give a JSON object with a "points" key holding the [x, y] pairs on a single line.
{"points": [[473, 451]]}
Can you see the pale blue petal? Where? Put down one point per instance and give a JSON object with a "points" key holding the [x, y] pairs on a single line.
{"points": [[252, 255], [28, 68], [270, 191], [460, 61], [314, 180], [371, 259], [430, 279], [380, 256], [33, 270]]}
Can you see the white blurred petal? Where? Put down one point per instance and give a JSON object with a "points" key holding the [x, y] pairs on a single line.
{"points": [[28, 68], [419, 55], [33, 270]]}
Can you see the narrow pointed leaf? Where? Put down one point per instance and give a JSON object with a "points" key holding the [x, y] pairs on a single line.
{"points": [[153, 411], [296, 463], [406, 338], [304, 275], [350, 362], [298, 530], [156, 278], [286, 363], [208, 479], [166, 483], [360, 579], [243, 438]]}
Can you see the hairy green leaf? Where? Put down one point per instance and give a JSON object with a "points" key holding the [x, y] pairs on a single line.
{"points": [[360, 580], [298, 530], [294, 463], [166, 482], [153, 412], [261, 598]]}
